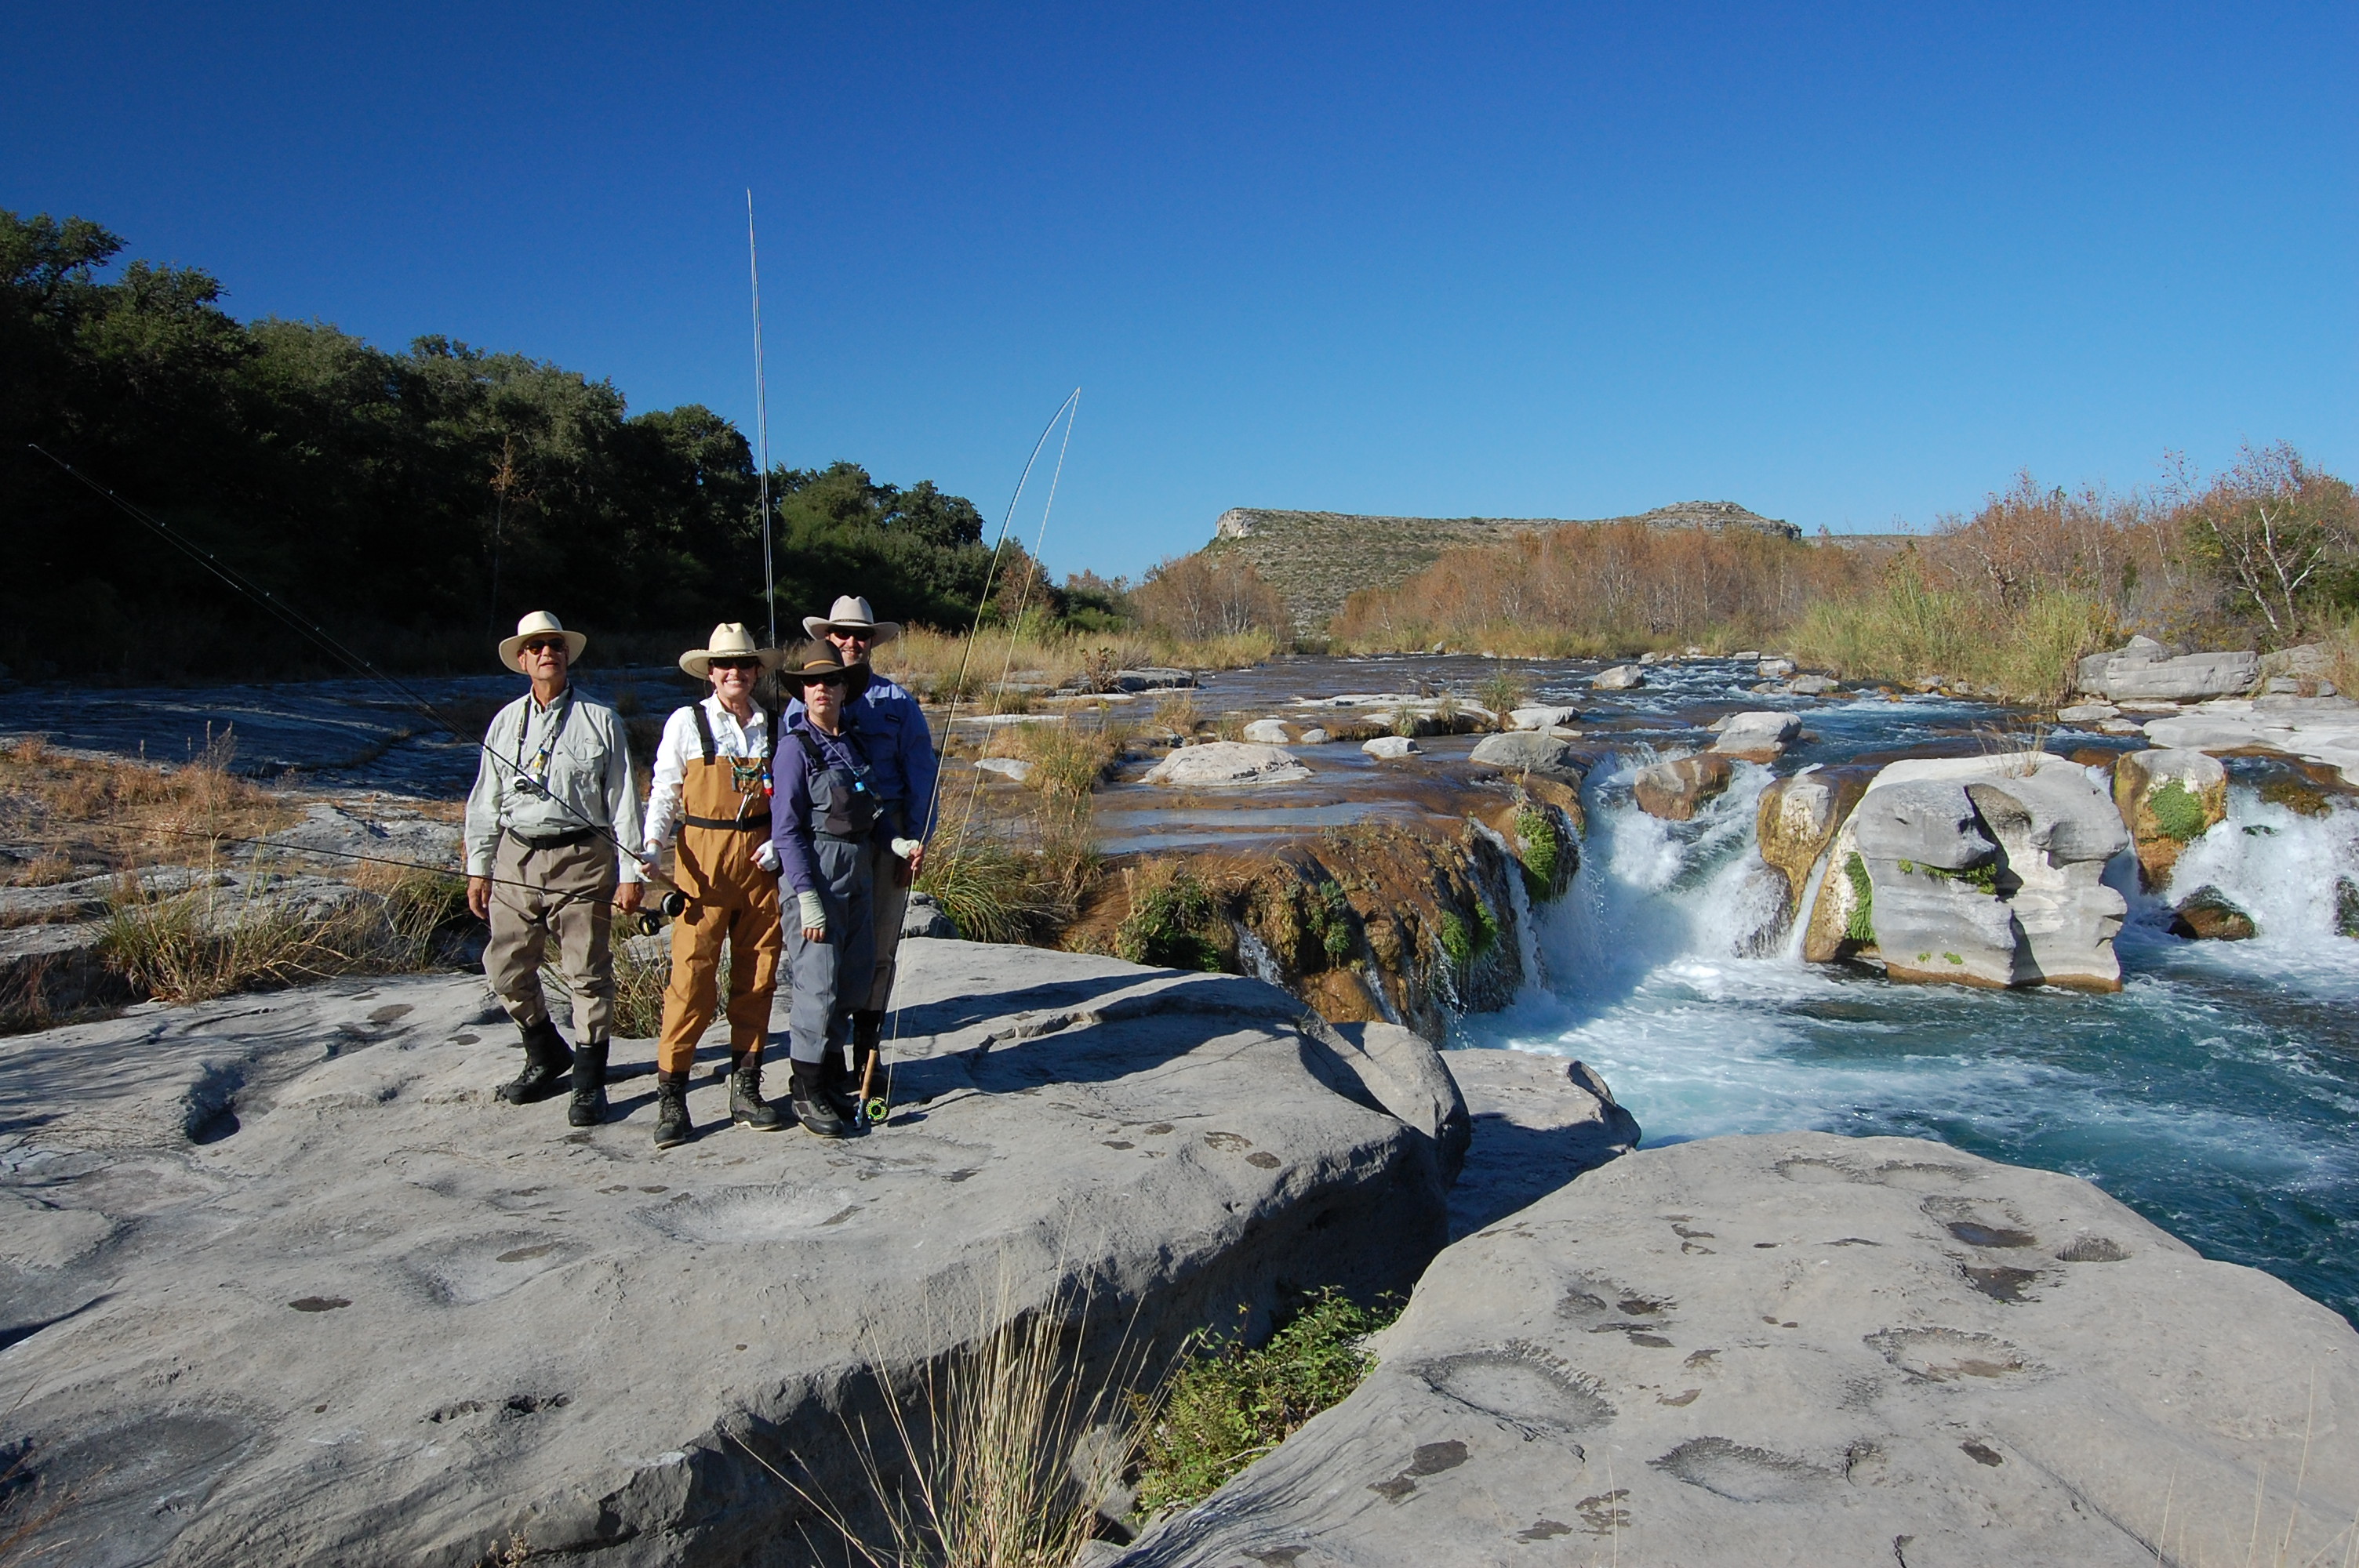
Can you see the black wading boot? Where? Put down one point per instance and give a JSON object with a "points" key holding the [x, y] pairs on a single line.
{"points": [[548, 1063], [808, 1099], [589, 1107], [746, 1106], [672, 1126]]}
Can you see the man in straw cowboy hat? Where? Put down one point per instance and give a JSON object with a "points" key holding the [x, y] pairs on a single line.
{"points": [[891, 727], [552, 842], [711, 791], [828, 825]]}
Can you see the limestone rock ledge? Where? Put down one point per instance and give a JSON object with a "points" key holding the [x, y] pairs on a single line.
{"points": [[280, 1280], [1803, 1349]]}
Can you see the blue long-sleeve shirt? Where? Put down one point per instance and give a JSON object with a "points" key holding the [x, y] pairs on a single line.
{"points": [[900, 749], [791, 804]]}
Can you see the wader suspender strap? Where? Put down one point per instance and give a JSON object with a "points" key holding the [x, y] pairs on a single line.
{"points": [[741, 822]]}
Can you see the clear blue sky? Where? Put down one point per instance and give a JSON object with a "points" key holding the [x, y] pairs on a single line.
{"points": [[1846, 266]]}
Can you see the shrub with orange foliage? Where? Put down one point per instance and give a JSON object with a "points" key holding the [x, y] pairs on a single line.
{"points": [[1197, 599], [1593, 589]]}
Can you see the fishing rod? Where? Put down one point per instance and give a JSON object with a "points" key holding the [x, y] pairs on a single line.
{"points": [[370, 860], [875, 1111], [673, 902], [762, 423]]}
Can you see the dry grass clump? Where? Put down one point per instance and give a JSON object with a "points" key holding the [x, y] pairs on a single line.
{"points": [[1905, 628], [1023, 879], [209, 940], [930, 663], [116, 814], [1007, 1449]]}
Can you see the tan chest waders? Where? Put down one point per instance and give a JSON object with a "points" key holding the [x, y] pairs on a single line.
{"points": [[724, 817]]}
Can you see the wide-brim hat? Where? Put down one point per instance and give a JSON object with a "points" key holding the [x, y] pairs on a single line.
{"points": [[853, 678], [539, 623], [730, 639], [850, 613]]}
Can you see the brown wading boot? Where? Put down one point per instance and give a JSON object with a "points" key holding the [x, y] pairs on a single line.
{"points": [[589, 1107], [808, 1096], [746, 1106], [672, 1126], [548, 1064]]}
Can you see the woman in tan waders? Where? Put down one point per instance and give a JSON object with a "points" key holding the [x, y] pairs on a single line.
{"points": [[711, 801]]}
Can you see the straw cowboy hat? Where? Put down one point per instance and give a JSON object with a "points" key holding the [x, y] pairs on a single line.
{"points": [[853, 678], [539, 623], [851, 614], [730, 639]]}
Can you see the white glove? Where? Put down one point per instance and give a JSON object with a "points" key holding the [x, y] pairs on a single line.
{"points": [[765, 855], [905, 848], [814, 912]]}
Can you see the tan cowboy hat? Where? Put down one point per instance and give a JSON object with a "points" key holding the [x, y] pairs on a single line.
{"points": [[853, 678], [853, 614], [539, 623], [730, 639]]}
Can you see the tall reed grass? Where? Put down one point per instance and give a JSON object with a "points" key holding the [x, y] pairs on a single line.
{"points": [[940, 667]]}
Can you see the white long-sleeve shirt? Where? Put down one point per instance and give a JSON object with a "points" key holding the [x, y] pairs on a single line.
{"points": [[679, 746]]}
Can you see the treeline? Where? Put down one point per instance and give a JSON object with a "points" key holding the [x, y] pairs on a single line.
{"points": [[2266, 555], [414, 503]]}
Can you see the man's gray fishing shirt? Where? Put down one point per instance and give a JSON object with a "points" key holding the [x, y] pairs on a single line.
{"points": [[581, 757]]}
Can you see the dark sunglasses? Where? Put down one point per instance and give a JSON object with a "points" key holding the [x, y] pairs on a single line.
{"points": [[735, 664], [838, 634], [543, 646]]}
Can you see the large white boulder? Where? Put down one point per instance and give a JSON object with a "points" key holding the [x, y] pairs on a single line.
{"points": [[1219, 764], [1621, 678], [1988, 870], [284, 1283], [1804, 1349], [1756, 737], [2317, 729], [1266, 733], [1542, 717], [1391, 747], [1525, 750]]}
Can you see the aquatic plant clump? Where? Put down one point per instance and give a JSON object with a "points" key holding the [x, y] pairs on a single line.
{"points": [[1170, 912], [2178, 811], [1543, 851], [1226, 1405], [1861, 926]]}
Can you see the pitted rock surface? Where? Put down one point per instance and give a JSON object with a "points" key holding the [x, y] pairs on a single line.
{"points": [[1804, 1349], [281, 1281]]}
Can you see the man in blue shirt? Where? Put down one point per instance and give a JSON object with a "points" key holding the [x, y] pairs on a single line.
{"points": [[900, 750]]}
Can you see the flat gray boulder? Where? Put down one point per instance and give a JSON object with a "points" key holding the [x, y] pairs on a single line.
{"points": [[1153, 678], [281, 1282], [1538, 1121], [1805, 1349], [1219, 765], [1527, 750], [1267, 732], [1620, 678], [1391, 748], [2146, 670]]}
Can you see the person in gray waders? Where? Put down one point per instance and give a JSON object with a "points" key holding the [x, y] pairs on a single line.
{"points": [[552, 852], [826, 823], [892, 730]]}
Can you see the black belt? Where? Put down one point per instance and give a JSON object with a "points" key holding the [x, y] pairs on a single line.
{"points": [[724, 824], [554, 840], [840, 839]]}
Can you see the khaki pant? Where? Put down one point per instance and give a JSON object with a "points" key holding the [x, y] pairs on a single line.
{"points": [[564, 895], [731, 900], [891, 902]]}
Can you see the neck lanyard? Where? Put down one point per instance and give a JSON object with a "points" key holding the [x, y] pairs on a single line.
{"points": [[535, 774]]}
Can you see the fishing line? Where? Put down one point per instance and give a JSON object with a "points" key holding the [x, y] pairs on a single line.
{"points": [[271, 602], [762, 423], [371, 859], [950, 718]]}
